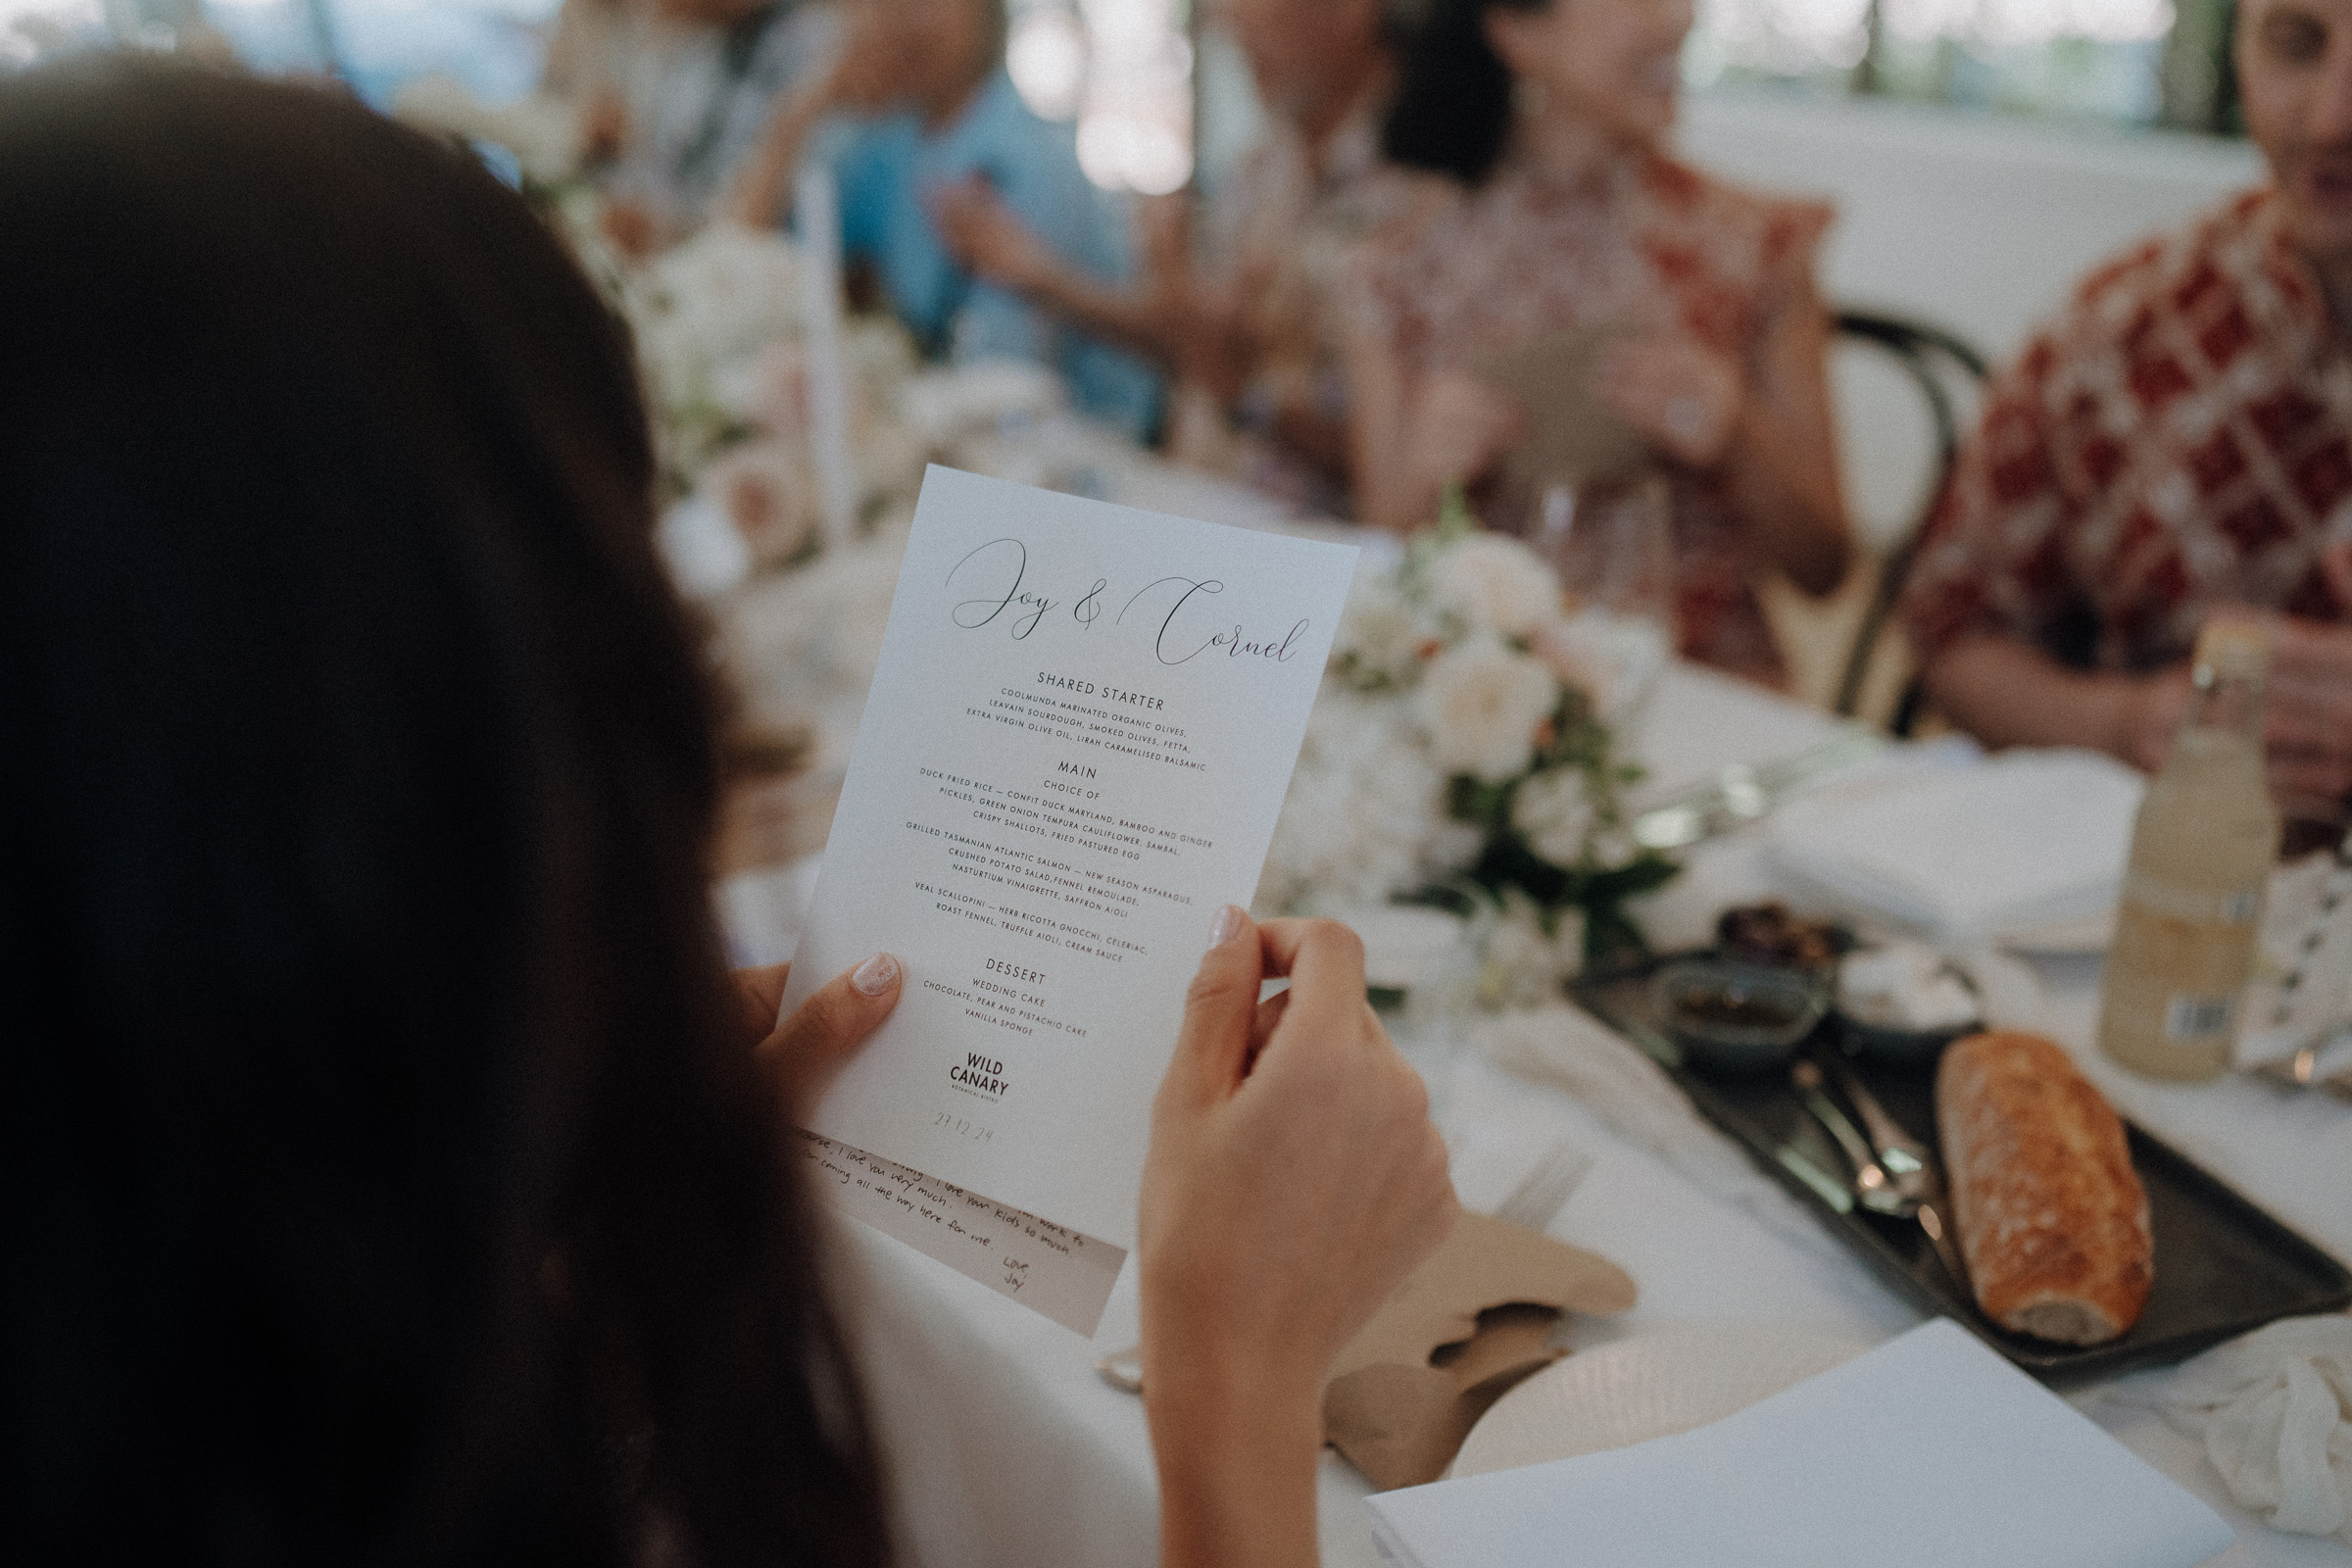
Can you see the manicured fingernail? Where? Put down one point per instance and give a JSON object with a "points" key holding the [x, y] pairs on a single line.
{"points": [[1229, 924], [877, 974]]}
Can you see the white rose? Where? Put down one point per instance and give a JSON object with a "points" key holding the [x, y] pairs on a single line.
{"points": [[1482, 704], [1552, 811], [769, 494], [1380, 636], [1613, 659], [1522, 964], [1494, 584], [1573, 656], [1364, 815], [730, 290]]}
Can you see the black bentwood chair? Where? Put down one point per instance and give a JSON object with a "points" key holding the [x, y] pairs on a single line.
{"points": [[1939, 364]]}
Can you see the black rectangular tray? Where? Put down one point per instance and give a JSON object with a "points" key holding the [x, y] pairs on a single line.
{"points": [[2223, 1266]]}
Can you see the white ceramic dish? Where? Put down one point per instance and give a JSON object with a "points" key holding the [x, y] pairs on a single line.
{"points": [[1618, 1395], [2086, 938]]}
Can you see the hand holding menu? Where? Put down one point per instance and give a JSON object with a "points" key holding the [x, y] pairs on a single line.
{"points": [[1073, 754]]}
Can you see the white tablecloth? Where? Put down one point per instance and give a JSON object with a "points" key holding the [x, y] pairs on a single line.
{"points": [[1008, 1450]]}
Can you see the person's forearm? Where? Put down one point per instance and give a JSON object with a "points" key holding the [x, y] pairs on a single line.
{"points": [[1783, 460], [1786, 489], [2008, 693], [1116, 314], [1314, 434], [1399, 501], [1391, 490], [1236, 1470], [1387, 491]]}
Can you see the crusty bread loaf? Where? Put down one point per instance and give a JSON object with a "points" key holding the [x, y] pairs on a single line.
{"points": [[2053, 1222]]}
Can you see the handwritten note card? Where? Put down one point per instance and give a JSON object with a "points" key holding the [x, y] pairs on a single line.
{"points": [[1073, 754], [1057, 1272]]}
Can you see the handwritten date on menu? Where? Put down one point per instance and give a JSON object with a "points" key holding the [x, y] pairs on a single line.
{"points": [[1055, 1270]]}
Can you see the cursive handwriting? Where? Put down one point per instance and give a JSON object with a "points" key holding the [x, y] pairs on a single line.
{"points": [[1167, 645], [1027, 609], [1000, 570]]}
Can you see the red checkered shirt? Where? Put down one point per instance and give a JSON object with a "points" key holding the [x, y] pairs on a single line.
{"points": [[2176, 440]]}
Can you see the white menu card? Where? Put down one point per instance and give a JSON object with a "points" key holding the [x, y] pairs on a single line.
{"points": [[1073, 754]]}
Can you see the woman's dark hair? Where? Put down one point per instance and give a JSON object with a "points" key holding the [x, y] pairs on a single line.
{"points": [[384, 1172], [1452, 109]]}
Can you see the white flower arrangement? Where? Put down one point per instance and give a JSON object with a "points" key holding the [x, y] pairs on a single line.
{"points": [[1481, 702], [1458, 755], [717, 324]]}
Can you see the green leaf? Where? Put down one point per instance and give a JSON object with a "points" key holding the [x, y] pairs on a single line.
{"points": [[1478, 803]]}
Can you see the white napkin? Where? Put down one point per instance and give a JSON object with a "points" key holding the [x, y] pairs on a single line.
{"points": [[1570, 1049], [2275, 1410], [1508, 1158], [1630, 1093], [2027, 839], [1930, 1451]]}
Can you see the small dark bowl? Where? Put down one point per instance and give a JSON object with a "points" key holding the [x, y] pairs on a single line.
{"points": [[1737, 1017]]}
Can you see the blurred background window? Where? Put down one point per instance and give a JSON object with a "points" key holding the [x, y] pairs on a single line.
{"points": [[31, 30], [2121, 61], [1124, 70], [493, 46]]}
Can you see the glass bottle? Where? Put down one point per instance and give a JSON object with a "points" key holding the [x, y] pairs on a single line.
{"points": [[2201, 857]]}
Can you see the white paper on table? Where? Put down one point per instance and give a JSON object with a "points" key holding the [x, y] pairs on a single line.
{"points": [[1930, 1451], [1073, 754]]}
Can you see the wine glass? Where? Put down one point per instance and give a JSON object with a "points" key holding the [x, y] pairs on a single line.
{"points": [[1610, 539]]}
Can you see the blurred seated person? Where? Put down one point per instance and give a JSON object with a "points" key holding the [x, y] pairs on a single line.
{"points": [[1574, 221], [676, 93], [918, 103], [2178, 441], [587, 47], [1242, 309], [394, 1172], [591, 51]]}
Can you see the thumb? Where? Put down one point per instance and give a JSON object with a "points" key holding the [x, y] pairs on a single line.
{"points": [[1212, 1049], [808, 1048]]}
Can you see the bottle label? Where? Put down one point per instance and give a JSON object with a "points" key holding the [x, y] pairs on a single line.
{"points": [[2197, 1017], [2239, 907]]}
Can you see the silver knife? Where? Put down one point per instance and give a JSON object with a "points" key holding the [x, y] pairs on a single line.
{"points": [[1827, 1187], [1912, 1167], [1910, 1163], [1931, 1214]]}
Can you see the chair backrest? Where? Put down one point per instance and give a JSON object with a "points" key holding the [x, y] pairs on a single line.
{"points": [[1942, 366]]}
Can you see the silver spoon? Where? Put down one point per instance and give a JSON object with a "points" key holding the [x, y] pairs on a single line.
{"points": [[1874, 1188], [1903, 1158]]}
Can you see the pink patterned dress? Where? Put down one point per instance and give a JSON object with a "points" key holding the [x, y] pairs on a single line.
{"points": [[1644, 243]]}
